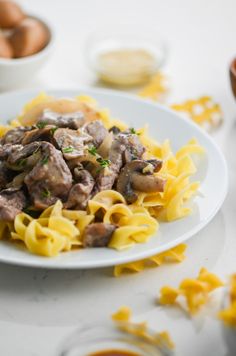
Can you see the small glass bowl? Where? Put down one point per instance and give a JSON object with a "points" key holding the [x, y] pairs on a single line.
{"points": [[89, 340], [139, 41], [229, 332]]}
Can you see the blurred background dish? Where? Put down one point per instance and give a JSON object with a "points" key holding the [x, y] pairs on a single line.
{"points": [[15, 72], [125, 56], [25, 43], [232, 72]]}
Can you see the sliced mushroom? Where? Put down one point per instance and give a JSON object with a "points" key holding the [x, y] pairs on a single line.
{"points": [[98, 234], [133, 177], [16, 135], [23, 157], [124, 148], [105, 146], [43, 134]]}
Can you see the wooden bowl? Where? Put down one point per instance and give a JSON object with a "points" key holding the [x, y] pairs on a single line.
{"points": [[232, 72]]}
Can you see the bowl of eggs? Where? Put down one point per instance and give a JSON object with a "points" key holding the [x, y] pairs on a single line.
{"points": [[26, 42]]}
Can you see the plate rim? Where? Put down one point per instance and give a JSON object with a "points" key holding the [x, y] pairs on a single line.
{"points": [[49, 263]]}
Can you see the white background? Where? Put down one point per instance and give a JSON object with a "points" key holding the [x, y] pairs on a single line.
{"points": [[38, 308]]}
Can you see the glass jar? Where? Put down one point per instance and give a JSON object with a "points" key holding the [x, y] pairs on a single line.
{"points": [[89, 340]]}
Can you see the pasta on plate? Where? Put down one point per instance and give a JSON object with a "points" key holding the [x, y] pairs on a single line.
{"points": [[74, 177]]}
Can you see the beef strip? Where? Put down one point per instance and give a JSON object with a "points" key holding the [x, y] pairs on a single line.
{"points": [[12, 201], [72, 120], [80, 192], [97, 131], [5, 175], [98, 234], [50, 179], [16, 135], [124, 148], [73, 144]]}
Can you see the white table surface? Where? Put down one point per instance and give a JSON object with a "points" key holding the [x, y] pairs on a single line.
{"points": [[39, 308]]}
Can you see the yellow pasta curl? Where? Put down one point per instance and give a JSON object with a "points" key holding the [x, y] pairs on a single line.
{"points": [[50, 234], [43, 241], [228, 315], [104, 200], [195, 291], [176, 254], [177, 169], [124, 313], [115, 214], [133, 229]]}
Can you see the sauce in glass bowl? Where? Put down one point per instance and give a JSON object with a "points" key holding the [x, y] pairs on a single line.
{"points": [[125, 55], [114, 353]]}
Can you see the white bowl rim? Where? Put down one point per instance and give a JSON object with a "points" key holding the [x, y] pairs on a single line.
{"points": [[52, 263]]}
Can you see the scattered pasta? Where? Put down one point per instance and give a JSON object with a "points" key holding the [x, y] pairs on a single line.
{"points": [[156, 89], [176, 254], [195, 291], [203, 111]]}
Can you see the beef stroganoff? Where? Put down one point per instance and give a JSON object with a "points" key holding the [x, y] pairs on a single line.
{"points": [[73, 177]]}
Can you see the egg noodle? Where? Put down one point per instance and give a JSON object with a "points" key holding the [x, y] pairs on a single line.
{"points": [[195, 291], [58, 229]]}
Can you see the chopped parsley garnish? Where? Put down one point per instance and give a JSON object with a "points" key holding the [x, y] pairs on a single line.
{"points": [[67, 149], [45, 160], [103, 162], [133, 131], [53, 129], [46, 193], [41, 124], [22, 162], [92, 150]]}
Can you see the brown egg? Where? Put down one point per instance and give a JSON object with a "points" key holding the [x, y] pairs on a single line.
{"points": [[30, 37], [6, 50], [10, 14]]}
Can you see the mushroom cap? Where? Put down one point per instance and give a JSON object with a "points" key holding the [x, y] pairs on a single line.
{"points": [[138, 175]]}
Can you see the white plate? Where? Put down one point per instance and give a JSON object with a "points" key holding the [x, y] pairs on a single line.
{"points": [[163, 123]]}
